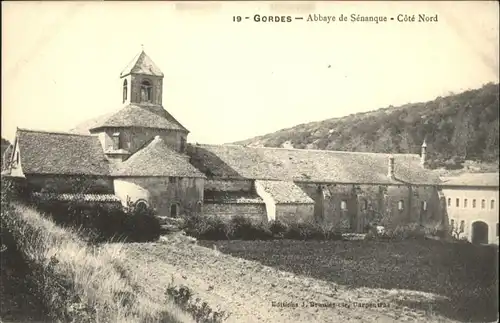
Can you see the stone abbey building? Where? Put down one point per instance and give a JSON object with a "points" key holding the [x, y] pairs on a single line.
{"points": [[140, 154]]}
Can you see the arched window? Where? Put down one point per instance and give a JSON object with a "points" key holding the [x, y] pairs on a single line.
{"points": [[492, 205], [401, 205], [457, 202], [483, 204], [125, 90], [465, 202], [174, 210], [423, 205], [449, 201], [146, 91], [474, 203], [343, 205], [141, 206]]}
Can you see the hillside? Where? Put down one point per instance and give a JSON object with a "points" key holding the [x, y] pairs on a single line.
{"points": [[457, 127]]}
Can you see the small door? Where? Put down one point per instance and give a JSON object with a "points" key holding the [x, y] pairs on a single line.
{"points": [[174, 210], [479, 232]]}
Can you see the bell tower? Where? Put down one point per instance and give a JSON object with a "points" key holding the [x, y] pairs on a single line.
{"points": [[142, 84]]}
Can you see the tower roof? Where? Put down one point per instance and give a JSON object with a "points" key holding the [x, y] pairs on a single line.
{"points": [[141, 64]]}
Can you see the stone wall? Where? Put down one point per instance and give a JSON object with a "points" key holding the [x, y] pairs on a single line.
{"points": [[162, 192], [256, 212], [386, 205], [295, 212], [69, 184]]}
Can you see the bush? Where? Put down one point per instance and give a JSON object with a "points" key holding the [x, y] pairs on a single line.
{"points": [[406, 232], [278, 228], [200, 311], [103, 222], [207, 228], [242, 228]]}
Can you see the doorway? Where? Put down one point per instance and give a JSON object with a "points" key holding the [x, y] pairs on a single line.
{"points": [[479, 232]]}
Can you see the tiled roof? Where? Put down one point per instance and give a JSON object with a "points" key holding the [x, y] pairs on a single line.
{"points": [[135, 116], [83, 128], [141, 64], [301, 165], [157, 159], [76, 197], [285, 192], [60, 153], [472, 179], [224, 197]]}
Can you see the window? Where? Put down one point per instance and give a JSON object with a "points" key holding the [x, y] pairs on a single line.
{"points": [[141, 206], [457, 202], [492, 204], [364, 205], [449, 201], [483, 204], [462, 226], [343, 205], [183, 144], [465, 202], [146, 91], [401, 205], [474, 203], [174, 210], [423, 205], [172, 180], [198, 206], [125, 90], [117, 142], [452, 224]]}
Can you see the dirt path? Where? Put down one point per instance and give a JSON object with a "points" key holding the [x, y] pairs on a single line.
{"points": [[248, 289]]}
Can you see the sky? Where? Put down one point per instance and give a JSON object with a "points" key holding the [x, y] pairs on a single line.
{"points": [[227, 81]]}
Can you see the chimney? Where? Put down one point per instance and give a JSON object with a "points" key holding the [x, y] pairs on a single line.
{"points": [[390, 168], [423, 154]]}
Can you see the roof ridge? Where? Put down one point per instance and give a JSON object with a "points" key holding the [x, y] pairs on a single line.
{"points": [[315, 150], [53, 132]]}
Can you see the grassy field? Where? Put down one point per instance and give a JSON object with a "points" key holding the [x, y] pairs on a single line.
{"points": [[466, 275]]}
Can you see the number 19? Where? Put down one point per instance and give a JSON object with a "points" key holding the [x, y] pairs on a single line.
{"points": [[236, 18]]}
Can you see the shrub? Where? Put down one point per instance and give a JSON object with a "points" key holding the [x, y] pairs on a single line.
{"points": [[207, 228], [200, 311], [243, 228], [102, 222], [278, 228], [304, 231]]}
